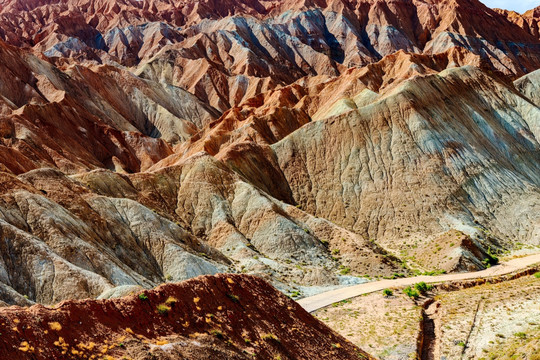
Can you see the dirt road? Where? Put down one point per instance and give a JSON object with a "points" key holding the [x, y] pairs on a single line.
{"points": [[319, 301]]}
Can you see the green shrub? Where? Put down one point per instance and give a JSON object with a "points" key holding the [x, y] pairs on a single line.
{"points": [[143, 297], [431, 273], [491, 259], [422, 287], [537, 275], [295, 294], [410, 292], [387, 292], [345, 271]]}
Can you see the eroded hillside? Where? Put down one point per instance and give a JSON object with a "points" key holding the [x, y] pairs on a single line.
{"points": [[212, 317], [315, 144]]}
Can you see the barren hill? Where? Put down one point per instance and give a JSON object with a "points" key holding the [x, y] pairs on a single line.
{"points": [[227, 51], [222, 317]]}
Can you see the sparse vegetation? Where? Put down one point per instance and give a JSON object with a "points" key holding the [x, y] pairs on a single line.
{"points": [[295, 294], [234, 298], [217, 333], [422, 287], [55, 326], [270, 337], [143, 297], [171, 300], [430, 273], [387, 293], [341, 303], [163, 309], [412, 293], [490, 261]]}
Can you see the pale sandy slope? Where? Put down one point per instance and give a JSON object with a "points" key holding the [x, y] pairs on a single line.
{"points": [[321, 300]]}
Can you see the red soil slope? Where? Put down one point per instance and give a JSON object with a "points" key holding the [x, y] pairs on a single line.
{"points": [[211, 317]]}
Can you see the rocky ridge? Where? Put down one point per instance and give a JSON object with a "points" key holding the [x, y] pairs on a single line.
{"points": [[226, 52], [221, 317]]}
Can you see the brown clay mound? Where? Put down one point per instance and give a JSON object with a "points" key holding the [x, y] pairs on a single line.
{"points": [[210, 317]]}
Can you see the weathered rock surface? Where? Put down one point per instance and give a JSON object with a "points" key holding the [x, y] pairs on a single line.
{"points": [[61, 241], [221, 317], [85, 118], [227, 51], [309, 142], [529, 85], [429, 155], [529, 21]]}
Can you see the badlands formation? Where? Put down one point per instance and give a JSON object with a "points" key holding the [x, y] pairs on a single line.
{"points": [[313, 143], [212, 317]]}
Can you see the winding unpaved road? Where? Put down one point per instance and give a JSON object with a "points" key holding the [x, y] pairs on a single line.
{"points": [[319, 301]]}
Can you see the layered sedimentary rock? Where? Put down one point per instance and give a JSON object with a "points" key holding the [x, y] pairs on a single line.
{"points": [[433, 152], [529, 85], [222, 317], [310, 143], [226, 52], [89, 117]]}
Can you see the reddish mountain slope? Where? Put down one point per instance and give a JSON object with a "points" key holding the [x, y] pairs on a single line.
{"points": [[89, 117], [223, 317], [224, 52], [529, 21]]}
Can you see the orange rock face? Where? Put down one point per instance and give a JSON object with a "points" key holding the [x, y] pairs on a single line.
{"points": [[529, 21]]}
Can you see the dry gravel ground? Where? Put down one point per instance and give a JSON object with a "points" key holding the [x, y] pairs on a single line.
{"points": [[485, 322], [387, 327], [492, 321]]}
